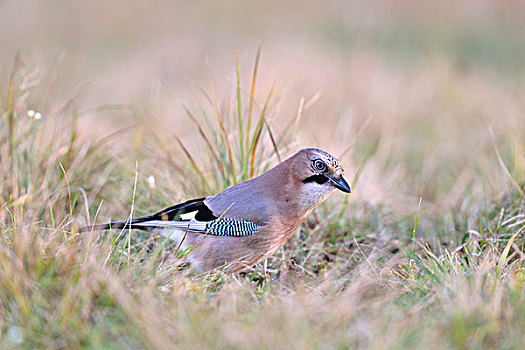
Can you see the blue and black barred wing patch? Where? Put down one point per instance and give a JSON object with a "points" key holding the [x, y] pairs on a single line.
{"points": [[231, 227]]}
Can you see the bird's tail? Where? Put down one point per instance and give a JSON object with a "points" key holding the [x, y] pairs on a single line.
{"points": [[169, 217], [100, 227], [138, 223]]}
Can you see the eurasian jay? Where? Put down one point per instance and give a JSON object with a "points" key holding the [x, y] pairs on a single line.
{"points": [[250, 221]]}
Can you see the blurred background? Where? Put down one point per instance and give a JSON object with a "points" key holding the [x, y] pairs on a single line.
{"points": [[405, 92]]}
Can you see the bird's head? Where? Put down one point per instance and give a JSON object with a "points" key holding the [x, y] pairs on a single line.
{"points": [[319, 174]]}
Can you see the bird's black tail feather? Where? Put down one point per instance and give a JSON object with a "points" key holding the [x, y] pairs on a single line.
{"points": [[112, 226]]}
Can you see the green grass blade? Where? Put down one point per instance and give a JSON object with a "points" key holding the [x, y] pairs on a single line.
{"points": [[503, 258], [239, 117], [252, 97], [415, 224]]}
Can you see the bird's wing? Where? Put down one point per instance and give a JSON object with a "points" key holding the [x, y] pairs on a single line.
{"points": [[246, 201], [192, 216]]}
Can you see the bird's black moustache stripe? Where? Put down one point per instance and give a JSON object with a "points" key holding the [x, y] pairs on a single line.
{"points": [[320, 179]]}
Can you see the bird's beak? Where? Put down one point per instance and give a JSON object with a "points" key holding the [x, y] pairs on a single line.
{"points": [[340, 183]]}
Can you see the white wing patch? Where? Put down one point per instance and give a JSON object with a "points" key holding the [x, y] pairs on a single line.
{"points": [[188, 216]]}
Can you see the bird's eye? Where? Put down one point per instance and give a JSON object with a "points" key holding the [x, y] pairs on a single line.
{"points": [[319, 165]]}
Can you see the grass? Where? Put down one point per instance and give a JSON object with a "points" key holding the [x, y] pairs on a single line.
{"points": [[376, 272]]}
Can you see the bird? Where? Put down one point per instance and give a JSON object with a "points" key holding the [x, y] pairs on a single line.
{"points": [[249, 222]]}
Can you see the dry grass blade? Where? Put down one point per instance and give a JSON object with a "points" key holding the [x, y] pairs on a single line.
{"points": [[220, 165], [299, 113], [252, 95], [503, 166], [257, 134], [272, 139], [72, 138], [227, 141], [313, 100], [193, 162], [106, 139], [11, 126], [130, 217], [172, 162], [53, 77], [188, 155], [359, 132], [371, 151]]}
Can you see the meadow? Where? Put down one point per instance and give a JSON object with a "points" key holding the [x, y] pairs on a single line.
{"points": [[150, 105]]}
